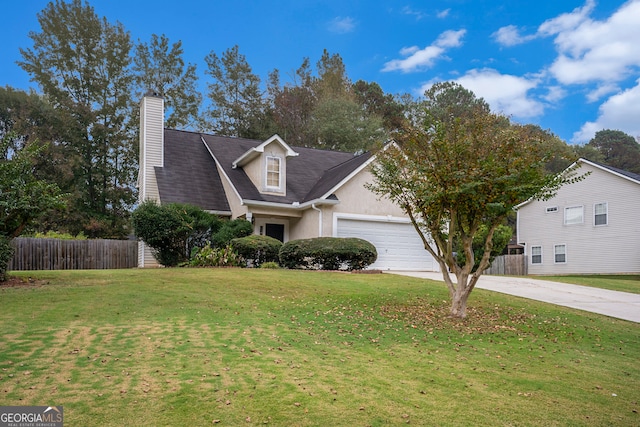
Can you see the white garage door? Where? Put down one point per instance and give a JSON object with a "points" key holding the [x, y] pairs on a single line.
{"points": [[398, 244]]}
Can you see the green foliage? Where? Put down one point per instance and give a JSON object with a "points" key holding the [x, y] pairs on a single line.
{"points": [[23, 197], [172, 231], [6, 253], [614, 148], [272, 265], [230, 230], [236, 100], [82, 64], [60, 236], [161, 69], [461, 168], [341, 124], [501, 237], [328, 253], [257, 250], [216, 257]]}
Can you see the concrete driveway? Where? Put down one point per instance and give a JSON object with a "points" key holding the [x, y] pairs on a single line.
{"points": [[621, 305]]}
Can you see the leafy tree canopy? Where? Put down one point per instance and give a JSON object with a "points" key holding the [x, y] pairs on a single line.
{"points": [[159, 67], [462, 169], [23, 197], [614, 148]]}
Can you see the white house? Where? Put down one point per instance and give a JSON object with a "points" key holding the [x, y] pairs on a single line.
{"points": [[285, 192], [589, 227]]}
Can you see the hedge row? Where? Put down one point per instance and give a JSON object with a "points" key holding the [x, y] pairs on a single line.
{"points": [[328, 253], [322, 253]]}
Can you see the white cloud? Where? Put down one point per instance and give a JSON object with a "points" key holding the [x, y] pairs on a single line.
{"points": [[590, 51], [443, 13], [412, 12], [567, 21], [510, 36], [420, 59], [504, 93], [340, 25], [554, 94], [619, 112], [601, 91]]}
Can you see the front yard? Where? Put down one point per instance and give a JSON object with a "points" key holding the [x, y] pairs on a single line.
{"points": [[277, 347]]}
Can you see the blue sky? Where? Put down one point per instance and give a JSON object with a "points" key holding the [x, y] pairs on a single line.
{"points": [[571, 66]]}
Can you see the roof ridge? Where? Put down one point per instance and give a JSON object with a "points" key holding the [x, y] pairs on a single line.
{"points": [[632, 175]]}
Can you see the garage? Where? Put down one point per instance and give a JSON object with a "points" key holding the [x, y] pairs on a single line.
{"points": [[398, 244]]}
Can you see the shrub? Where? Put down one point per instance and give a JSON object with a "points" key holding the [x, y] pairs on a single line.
{"points": [[257, 250], [270, 264], [231, 230], [60, 235], [216, 257], [6, 253], [172, 231], [328, 253]]}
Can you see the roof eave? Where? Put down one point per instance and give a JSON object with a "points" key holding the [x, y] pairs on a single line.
{"points": [[293, 206]]}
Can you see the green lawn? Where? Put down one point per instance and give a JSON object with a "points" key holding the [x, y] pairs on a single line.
{"points": [[200, 347], [624, 283]]}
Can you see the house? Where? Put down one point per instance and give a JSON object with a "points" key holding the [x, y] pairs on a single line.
{"points": [[589, 227], [286, 192]]}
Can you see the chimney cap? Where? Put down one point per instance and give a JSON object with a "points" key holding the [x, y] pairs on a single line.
{"points": [[153, 93]]}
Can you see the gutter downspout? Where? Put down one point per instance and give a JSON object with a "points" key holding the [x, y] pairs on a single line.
{"points": [[313, 206]]}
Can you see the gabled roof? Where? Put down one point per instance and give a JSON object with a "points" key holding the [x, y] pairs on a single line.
{"points": [[625, 174], [254, 152], [190, 174], [634, 177]]}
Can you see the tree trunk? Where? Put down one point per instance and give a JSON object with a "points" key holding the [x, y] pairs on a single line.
{"points": [[459, 306], [460, 296]]}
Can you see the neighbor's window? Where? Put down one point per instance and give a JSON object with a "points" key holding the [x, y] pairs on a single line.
{"points": [[600, 214], [536, 254], [560, 253], [273, 172], [573, 215]]}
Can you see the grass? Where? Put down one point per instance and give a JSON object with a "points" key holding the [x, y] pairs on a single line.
{"points": [[235, 347], [623, 283]]}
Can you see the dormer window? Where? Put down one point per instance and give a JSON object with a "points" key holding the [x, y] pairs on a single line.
{"points": [[273, 175]]}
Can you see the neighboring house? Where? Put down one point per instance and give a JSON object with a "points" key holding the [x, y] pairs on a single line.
{"points": [[286, 192], [589, 227]]}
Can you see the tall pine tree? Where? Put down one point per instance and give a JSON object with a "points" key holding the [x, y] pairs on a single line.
{"points": [[82, 64]]}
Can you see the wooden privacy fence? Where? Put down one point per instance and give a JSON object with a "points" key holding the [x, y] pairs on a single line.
{"points": [[56, 254], [508, 265]]}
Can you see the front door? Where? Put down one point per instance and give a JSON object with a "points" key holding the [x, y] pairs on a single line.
{"points": [[275, 230]]}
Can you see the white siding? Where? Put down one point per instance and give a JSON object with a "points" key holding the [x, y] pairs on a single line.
{"points": [[151, 155], [590, 249], [151, 146]]}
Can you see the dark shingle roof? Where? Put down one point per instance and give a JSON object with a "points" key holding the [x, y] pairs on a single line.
{"points": [[309, 175], [628, 174], [189, 174]]}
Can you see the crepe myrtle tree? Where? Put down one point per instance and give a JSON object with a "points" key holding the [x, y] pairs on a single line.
{"points": [[457, 173]]}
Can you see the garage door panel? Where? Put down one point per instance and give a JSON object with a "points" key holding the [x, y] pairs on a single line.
{"points": [[398, 244]]}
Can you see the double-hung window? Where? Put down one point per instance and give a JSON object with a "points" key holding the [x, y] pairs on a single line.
{"points": [[600, 214], [536, 254], [573, 215], [273, 173], [560, 254]]}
